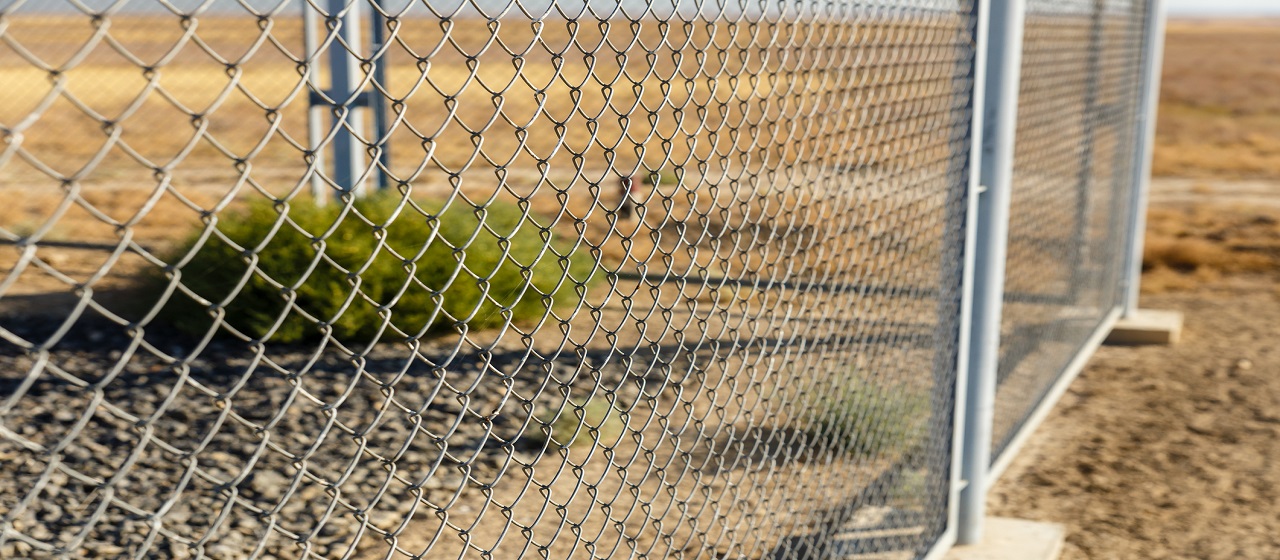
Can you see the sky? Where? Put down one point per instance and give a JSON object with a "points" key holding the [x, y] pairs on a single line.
{"points": [[1232, 7]]}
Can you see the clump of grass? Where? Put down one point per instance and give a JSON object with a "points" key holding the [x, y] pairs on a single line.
{"points": [[380, 265], [909, 489], [663, 177], [1184, 255], [580, 423], [28, 227], [1190, 254], [870, 421], [1187, 247]]}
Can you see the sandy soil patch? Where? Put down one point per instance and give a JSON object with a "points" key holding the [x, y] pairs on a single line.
{"points": [[1171, 452]]}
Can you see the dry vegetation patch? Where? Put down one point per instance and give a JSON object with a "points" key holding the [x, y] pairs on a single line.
{"points": [[1189, 245], [1220, 100]]}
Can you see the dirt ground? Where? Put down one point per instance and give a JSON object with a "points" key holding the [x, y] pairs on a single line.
{"points": [[1171, 452]]}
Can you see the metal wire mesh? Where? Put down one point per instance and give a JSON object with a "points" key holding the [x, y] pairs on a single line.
{"points": [[646, 280], [1073, 168]]}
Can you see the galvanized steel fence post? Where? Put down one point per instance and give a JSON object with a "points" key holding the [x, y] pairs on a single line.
{"points": [[1084, 183], [1000, 114], [381, 128], [350, 170], [315, 110], [1152, 63], [972, 194]]}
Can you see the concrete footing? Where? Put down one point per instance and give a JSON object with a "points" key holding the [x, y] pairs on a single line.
{"points": [[1014, 539], [1147, 327]]}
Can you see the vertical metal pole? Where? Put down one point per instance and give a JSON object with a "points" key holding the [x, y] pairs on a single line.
{"points": [[1004, 67], [315, 112], [1153, 61], [981, 32], [1123, 118], [348, 149], [378, 104], [1084, 177]]}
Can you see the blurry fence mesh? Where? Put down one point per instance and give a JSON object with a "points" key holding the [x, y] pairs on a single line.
{"points": [[1073, 169], [647, 280]]}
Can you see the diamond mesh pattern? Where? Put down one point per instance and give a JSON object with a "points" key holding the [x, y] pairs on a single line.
{"points": [[751, 216], [1072, 181]]}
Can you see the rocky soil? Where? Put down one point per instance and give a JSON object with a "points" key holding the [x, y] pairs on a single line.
{"points": [[296, 451], [196, 472]]}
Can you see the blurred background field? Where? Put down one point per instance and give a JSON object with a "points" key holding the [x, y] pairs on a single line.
{"points": [[1220, 101], [1216, 192], [221, 120]]}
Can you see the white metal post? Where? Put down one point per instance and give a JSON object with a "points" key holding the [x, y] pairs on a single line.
{"points": [[1080, 254], [1000, 121], [1153, 61], [378, 102], [315, 112], [973, 187], [349, 167]]}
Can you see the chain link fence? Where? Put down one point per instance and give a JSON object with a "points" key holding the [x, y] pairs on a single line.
{"points": [[598, 280], [1072, 192], [561, 279]]}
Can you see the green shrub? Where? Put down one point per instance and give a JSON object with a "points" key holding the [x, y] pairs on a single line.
{"points": [[662, 177], [341, 266], [909, 490], [581, 423], [870, 421]]}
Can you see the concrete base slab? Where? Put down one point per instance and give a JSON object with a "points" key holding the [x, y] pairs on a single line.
{"points": [[1147, 326], [1014, 539]]}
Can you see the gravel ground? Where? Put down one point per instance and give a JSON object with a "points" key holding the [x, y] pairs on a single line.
{"points": [[290, 452], [337, 420]]}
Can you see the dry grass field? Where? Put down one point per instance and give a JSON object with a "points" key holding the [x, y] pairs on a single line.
{"points": [[1219, 108], [1218, 144], [103, 146]]}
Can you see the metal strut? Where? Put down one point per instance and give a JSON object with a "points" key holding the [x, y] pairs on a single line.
{"points": [[346, 100]]}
